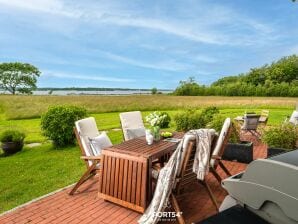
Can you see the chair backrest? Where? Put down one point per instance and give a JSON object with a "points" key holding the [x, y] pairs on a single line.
{"points": [[85, 129], [251, 122], [294, 118], [222, 141], [185, 170], [132, 125], [264, 116]]}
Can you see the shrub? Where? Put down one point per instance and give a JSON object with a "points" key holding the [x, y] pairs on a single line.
{"points": [[58, 122], [283, 136], [12, 136], [217, 123], [193, 119], [166, 119]]}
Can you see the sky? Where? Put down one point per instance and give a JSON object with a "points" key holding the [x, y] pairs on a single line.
{"points": [[145, 44]]}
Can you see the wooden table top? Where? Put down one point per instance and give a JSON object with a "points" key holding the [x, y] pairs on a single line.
{"points": [[139, 146]]}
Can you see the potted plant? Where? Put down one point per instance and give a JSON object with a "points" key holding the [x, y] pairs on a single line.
{"points": [[280, 139], [12, 141], [236, 150]]}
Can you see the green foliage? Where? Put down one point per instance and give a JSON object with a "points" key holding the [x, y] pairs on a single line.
{"points": [[194, 119], [282, 136], [12, 136], [187, 88], [278, 79], [18, 77], [154, 91], [217, 123], [166, 119], [58, 122]]}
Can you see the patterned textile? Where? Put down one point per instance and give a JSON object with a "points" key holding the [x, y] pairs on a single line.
{"points": [[164, 186], [203, 146], [167, 176]]}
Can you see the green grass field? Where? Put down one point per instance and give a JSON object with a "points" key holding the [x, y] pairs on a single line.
{"points": [[36, 171]]}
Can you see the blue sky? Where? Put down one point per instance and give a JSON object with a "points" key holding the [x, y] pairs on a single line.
{"points": [[145, 44]]}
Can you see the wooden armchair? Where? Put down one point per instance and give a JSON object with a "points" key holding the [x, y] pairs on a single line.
{"points": [[185, 174], [84, 130]]}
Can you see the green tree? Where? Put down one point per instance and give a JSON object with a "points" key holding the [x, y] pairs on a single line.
{"points": [[188, 88], [18, 77], [153, 90]]}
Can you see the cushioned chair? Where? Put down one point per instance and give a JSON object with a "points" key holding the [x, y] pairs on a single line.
{"points": [[91, 142], [294, 118], [251, 122], [185, 174], [132, 125], [264, 117]]}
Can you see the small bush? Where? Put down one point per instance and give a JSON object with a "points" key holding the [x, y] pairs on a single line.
{"points": [[12, 136], [58, 122], [193, 119], [283, 136], [165, 120], [217, 123]]}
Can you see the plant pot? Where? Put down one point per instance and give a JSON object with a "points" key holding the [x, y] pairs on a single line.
{"points": [[271, 151], [241, 152], [12, 147]]}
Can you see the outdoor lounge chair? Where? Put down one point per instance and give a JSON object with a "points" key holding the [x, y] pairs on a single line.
{"points": [[294, 118], [264, 117], [132, 125], [251, 122], [185, 174], [86, 131]]}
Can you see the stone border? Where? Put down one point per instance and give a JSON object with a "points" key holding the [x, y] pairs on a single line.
{"points": [[36, 199]]}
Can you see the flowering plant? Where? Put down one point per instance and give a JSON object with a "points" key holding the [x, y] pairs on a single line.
{"points": [[156, 118]]}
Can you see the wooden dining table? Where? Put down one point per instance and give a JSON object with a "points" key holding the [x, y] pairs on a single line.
{"points": [[125, 172]]}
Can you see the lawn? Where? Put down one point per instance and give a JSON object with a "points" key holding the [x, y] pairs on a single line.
{"points": [[43, 169]]}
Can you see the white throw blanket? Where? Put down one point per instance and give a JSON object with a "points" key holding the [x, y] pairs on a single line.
{"points": [[167, 176], [204, 139]]}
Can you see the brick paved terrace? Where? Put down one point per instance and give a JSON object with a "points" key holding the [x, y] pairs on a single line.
{"points": [[85, 206]]}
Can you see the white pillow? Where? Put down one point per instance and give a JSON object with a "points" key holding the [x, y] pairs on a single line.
{"points": [[100, 142], [135, 132], [294, 118]]}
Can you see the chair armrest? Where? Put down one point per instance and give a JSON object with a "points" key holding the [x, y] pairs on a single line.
{"points": [[216, 157], [91, 157]]}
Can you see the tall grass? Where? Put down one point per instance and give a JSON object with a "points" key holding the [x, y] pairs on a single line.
{"points": [[19, 107]]}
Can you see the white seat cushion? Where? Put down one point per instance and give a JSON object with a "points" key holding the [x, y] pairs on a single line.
{"points": [[135, 133], [99, 142], [220, 139], [131, 120], [294, 118]]}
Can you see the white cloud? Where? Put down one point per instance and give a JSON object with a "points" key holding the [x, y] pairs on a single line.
{"points": [[46, 6], [159, 65], [107, 78], [206, 23]]}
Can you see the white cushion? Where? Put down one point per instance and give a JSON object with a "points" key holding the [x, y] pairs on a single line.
{"points": [[135, 132], [294, 117], [86, 129], [220, 139], [131, 120], [98, 143]]}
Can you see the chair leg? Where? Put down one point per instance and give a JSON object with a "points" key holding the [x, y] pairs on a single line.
{"points": [[213, 199], [224, 168], [89, 173], [176, 207], [216, 175]]}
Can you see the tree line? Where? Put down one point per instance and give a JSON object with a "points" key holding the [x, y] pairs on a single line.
{"points": [[280, 78]]}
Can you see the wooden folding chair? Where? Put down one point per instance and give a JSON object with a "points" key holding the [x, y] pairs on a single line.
{"points": [[84, 129], [250, 124], [264, 117], [132, 125], [186, 175]]}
